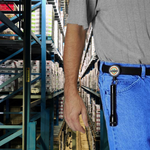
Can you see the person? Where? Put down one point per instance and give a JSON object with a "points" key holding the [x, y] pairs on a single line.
{"points": [[121, 30]]}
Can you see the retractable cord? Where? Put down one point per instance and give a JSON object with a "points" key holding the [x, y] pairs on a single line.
{"points": [[114, 72]]}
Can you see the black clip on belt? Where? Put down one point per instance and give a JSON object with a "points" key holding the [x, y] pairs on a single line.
{"points": [[114, 72]]}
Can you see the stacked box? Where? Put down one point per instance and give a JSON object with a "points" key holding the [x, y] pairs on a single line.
{"points": [[84, 97], [50, 76], [9, 64], [65, 29], [2, 80], [36, 88], [97, 74], [93, 74], [93, 110], [60, 78], [56, 33], [54, 76], [20, 80], [56, 66], [60, 43], [2, 76], [35, 68], [50, 16], [36, 21], [82, 93], [93, 47], [90, 80], [4, 7], [11, 86], [61, 108], [97, 118], [63, 47], [89, 103], [62, 18]]}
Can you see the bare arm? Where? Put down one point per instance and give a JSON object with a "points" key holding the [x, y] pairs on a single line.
{"points": [[74, 106]]}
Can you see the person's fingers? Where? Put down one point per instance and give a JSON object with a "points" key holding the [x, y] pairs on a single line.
{"points": [[71, 125], [84, 116], [69, 122], [77, 125]]}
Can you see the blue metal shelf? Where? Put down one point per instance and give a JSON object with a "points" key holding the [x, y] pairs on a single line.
{"points": [[57, 14], [91, 91], [92, 61], [28, 128], [18, 43], [37, 96]]}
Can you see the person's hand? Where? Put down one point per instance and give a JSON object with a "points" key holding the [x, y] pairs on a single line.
{"points": [[73, 107]]}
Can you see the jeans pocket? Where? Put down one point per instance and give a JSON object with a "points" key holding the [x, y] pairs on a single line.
{"points": [[124, 83]]}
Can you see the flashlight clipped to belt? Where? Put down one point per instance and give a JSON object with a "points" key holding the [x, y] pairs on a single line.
{"points": [[114, 72]]}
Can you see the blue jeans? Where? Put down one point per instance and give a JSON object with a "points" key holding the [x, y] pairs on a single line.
{"points": [[133, 109]]}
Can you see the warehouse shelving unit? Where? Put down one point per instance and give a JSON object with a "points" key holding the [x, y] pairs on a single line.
{"points": [[92, 61], [27, 130], [101, 140], [91, 91]]}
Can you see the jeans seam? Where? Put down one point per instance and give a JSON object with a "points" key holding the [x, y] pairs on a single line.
{"points": [[113, 132], [115, 138]]}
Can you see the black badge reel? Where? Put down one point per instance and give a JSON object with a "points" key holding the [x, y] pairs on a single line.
{"points": [[114, 71]]}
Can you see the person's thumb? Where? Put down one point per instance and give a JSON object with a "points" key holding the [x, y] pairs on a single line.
{"points": [[84, 117]]}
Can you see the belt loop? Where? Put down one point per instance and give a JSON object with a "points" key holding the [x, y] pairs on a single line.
{"points": [[143, 73]]}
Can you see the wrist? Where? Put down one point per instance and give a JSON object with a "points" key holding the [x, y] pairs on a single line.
{"points": [[70, 90], [70, 86]]}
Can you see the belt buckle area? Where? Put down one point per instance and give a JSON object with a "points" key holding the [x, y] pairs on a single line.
{"points": [[114, 70]]}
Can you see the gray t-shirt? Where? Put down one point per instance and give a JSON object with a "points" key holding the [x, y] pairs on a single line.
{"points": [[121, 28]]}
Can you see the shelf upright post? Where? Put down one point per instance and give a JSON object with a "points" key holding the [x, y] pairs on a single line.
{"points": [[52, 55], [26, 74], [57, 111], [45, 113], [52, 124], [7, 119]]}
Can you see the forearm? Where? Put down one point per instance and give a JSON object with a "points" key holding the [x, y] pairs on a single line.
{"points": [[74, 45]]}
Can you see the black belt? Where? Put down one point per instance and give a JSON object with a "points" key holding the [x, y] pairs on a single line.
{"points": [[127, 70]]}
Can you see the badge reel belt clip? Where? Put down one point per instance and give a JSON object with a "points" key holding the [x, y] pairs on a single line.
{"points": [[114, 71]]}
